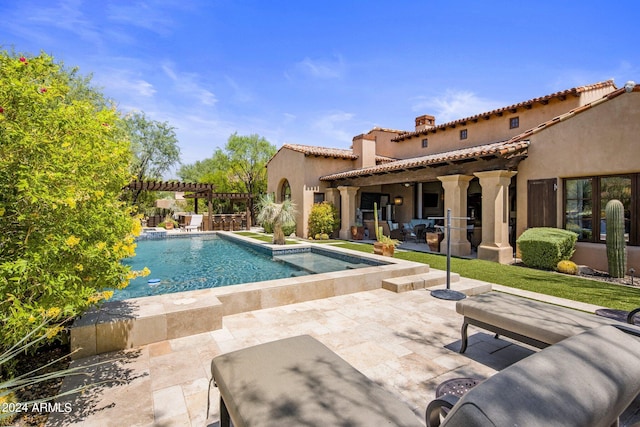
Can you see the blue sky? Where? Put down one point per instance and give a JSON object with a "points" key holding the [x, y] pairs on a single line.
{"points": [[321, 72]]}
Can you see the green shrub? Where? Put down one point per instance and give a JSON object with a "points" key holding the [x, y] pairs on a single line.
{"points": [[63, 164], [544, 247], [323, 219]]}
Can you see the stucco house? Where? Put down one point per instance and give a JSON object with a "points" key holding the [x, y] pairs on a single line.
{"points": [[549, 161]]}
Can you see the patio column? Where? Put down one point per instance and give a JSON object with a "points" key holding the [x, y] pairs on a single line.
{"points": [[347, 210], [495, 216], [419, 200], [455, 198]]}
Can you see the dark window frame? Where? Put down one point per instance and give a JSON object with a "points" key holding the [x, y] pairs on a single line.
{"points": [[425, 142], [597, 206], [285, 191], [514, 122], [464, 134]]}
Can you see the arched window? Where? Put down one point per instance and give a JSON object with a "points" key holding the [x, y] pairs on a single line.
{"points": [[285, 191]]}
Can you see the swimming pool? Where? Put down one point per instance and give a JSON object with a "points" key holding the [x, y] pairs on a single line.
{"points": [[210, 261]]}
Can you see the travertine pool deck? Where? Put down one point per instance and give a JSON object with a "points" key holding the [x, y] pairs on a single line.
{"points": [[407, 342]]}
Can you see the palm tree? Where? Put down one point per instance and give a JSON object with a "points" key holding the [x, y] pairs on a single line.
{"points": [[279, 215]]}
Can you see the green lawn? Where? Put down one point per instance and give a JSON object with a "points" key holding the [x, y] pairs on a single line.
{"points": [[544, 282]]}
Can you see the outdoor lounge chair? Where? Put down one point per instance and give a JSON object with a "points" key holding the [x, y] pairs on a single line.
{"points": [[587, 380], [195, 223]]}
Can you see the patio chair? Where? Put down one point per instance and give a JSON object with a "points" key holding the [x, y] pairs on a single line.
{"points": [[419, 231], [195, 223]]}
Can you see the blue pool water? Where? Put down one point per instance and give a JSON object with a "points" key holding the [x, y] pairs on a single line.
{"points": [[184, 264]]}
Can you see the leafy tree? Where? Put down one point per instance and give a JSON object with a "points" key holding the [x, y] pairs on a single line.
{"points": [[154, 148], [63, 164], [239, 167]]}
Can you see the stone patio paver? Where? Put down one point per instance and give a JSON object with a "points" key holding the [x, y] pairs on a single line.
{"points": [[407, 342]]}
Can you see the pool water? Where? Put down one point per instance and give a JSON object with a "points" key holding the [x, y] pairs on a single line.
{"points": [[201, 262]]}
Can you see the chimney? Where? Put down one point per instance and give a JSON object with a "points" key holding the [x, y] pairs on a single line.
{"points": [[364, 146], [425, 122]]}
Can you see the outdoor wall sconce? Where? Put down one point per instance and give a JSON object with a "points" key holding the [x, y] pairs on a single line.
{"points": [[397, 201]]}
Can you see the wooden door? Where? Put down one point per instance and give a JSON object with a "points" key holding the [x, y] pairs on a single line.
{"points": [[542, 203]]}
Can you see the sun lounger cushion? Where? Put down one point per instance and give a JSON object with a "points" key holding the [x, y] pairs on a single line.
{"points": [[584, 381], [544, 323], [300, 382]]}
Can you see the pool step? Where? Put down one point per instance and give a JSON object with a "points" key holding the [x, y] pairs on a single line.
{"points": [[418, 281]]}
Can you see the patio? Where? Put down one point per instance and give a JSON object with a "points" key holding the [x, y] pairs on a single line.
{"points": [[407, 342]]}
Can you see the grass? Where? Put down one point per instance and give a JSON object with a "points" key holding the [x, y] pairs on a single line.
{"points": [[544, 282]]}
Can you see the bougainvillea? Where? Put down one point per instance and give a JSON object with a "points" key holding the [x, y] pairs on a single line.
{"points": [[63, 227]]}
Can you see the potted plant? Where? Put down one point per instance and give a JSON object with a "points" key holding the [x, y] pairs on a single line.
{"points": [[384, 245], [357, 231], [168, 223]]}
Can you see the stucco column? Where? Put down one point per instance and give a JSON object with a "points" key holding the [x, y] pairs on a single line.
{"points": [[455, 198], [419, 200], [495, 216], [347, 209]]}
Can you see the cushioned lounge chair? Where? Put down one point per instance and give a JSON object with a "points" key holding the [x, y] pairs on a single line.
{"points": [[195, 223]]}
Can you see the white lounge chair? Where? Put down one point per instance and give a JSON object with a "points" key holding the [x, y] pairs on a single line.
{"points": [[195, 223]]}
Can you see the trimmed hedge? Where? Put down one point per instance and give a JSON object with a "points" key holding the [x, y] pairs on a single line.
{"points": [[545, 247]]}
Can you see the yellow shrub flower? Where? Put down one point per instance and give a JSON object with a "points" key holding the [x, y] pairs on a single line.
{"points": [[107, 295], [70, 201], [72, 241], [101, 245], [53, 312], [79, 267], [53, 331]]}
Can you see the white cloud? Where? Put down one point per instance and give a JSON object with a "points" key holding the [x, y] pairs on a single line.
{"points": [[141, 15], [334, 127], [126, 83], [189, 85], [453, 105], [322, 68]]}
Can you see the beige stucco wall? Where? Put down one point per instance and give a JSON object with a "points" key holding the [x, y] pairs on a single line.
{"points": [[483, 131], [604, 140], [302, 172]]}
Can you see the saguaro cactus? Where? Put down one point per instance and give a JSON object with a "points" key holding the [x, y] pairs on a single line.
{"points": [[616, 246]]}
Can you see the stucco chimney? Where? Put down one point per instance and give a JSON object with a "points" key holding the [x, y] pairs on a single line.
{"points": [[364, 146], [425, 122]]}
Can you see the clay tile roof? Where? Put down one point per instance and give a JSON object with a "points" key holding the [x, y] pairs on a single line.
{"points": [[336, 153], [576, 91], [505, 149], [310, 150]]}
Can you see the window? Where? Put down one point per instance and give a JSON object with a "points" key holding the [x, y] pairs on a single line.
{"points": [[463, 134], [514, 122], [285, 191], [425, 143], [318, 197], [585, 201]]}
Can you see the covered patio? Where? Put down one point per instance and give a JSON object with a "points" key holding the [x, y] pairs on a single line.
{"points": [[207, 192], [477, 184]]}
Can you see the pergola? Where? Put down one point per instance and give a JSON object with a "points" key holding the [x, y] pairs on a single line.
{"points": [[197, 190]]}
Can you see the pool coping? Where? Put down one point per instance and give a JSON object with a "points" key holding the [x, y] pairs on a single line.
{"points": [[131, 323]]}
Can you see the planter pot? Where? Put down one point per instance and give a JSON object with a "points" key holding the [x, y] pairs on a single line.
{"points": [[433, 240], [168, 226], [357, 233], [383, 249]]}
